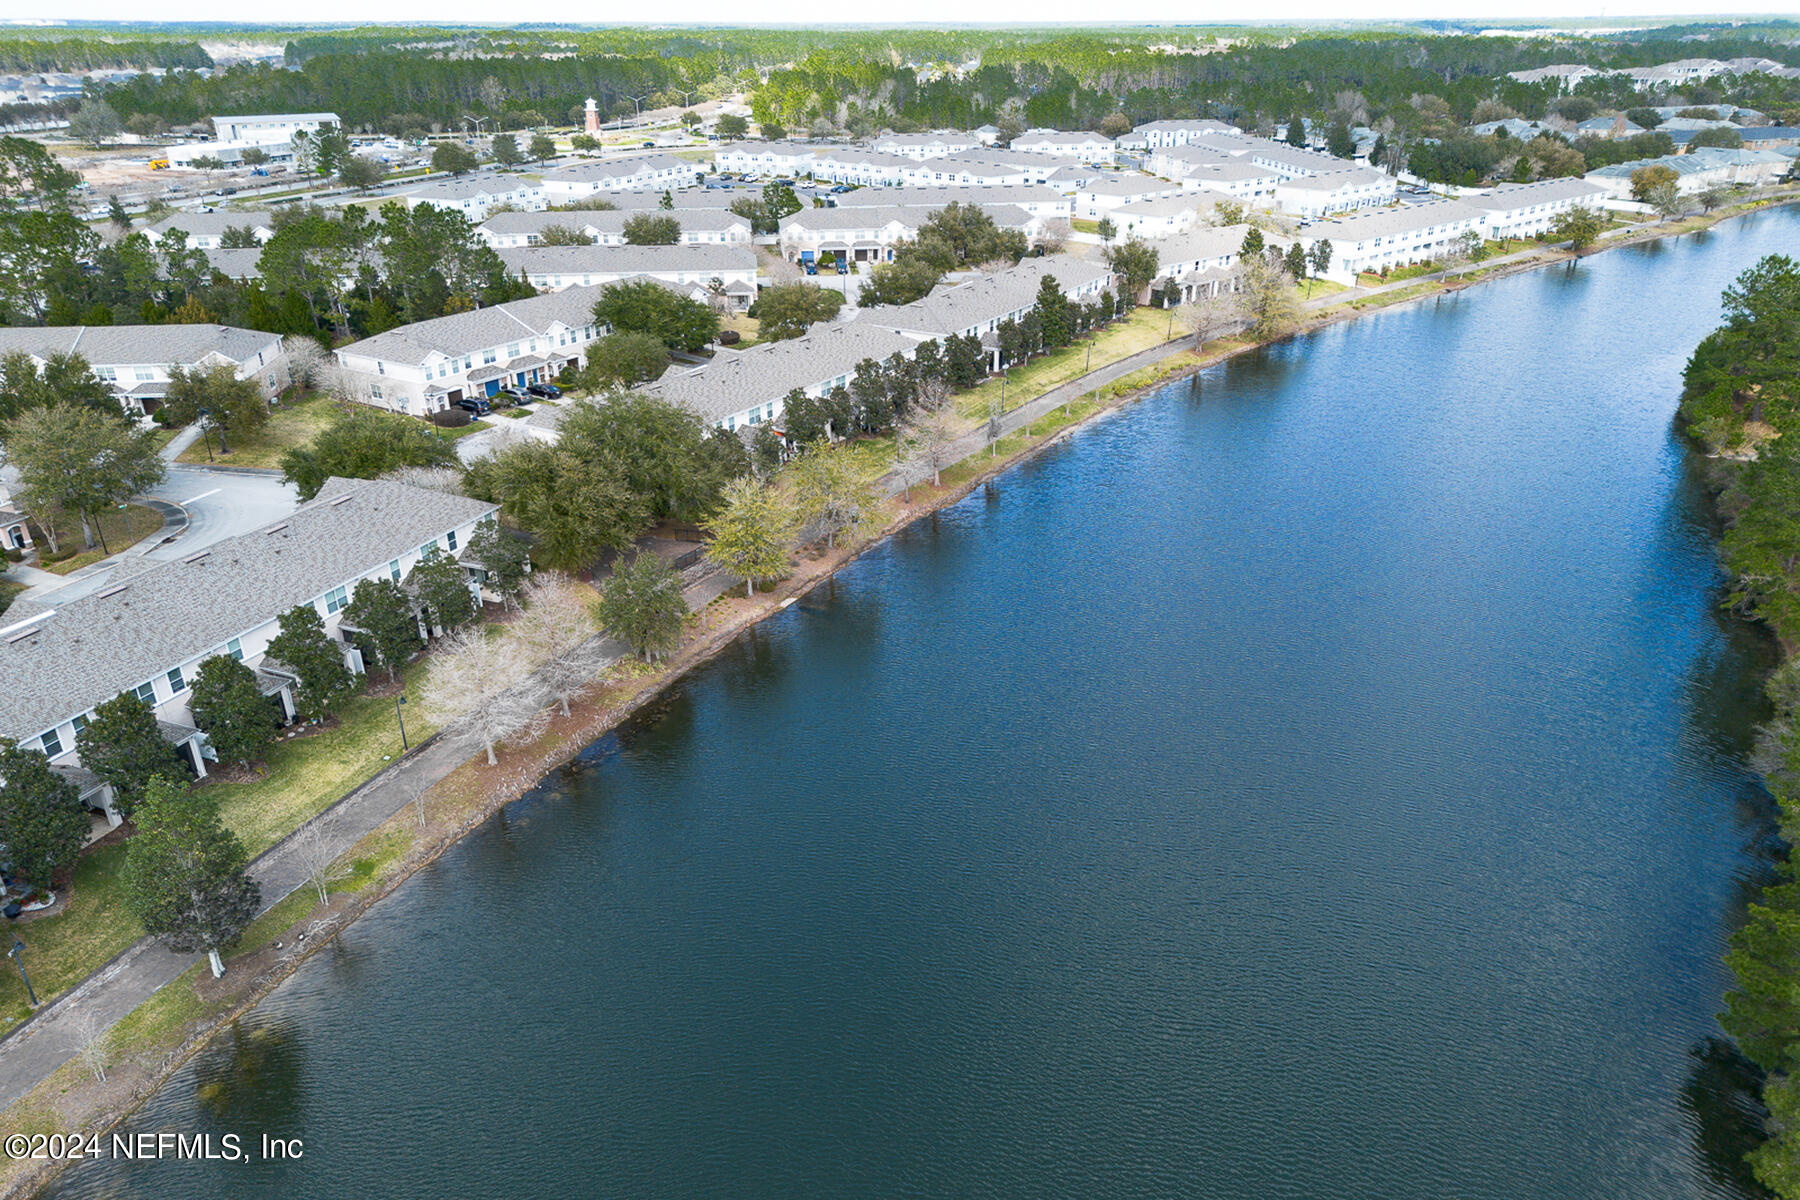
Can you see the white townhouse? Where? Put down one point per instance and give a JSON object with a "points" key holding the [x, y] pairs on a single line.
{"points": [[1043, 202], [153, 623], [699, 227], [920, 146], [1675, 74], [859, 166], [731, 267], [1177, 162], [1394, 237], [740, 388], [1084, 145], [1104, 196], [136, 359], [1159, 218], [1352, 189], [1291, 162], [205, 230], [1564, 75], [477, 196], [976, 307], [1698, 170], [852, 234], [956, 171], [1203, 262], [1523, 210], [273, 127], [640, 173], [1242, 181], [429, 366], [1154, 135], [764, 158]]}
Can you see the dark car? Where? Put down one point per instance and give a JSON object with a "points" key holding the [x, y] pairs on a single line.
{"points": [[548, 391], [476, 405]]}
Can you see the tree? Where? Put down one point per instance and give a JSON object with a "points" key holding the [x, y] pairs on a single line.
{"points": [[1644, 117], [504, 560], [1211, 314], [360, 172], [1296, 131], [506, 150], [556, 622], [830, 493], [1297, 261], [122, 744], [1055, 325], [253, 156], [42, 823], [1135, 261], [645, 306], [1338, 140], [584, 142], [899, 282], [750, 534], [184, 876], [1580, 227], [651, 229], [365, 443], [1713, 197], [230, 404], [62, 379], [1268, 299], [231, 710], [542, 147], [1253, 243], [472, 679], [77, 460], [317, 857], [1319, 258], [1721, 136], [115, 212], [928, 436], [787, 310], [442, 588], [1115, 125], [317, 658], [95, 123], [642, 606], [1106, 229], [454, 158], [731, 126], [575, 506], [388, 620], [1645, 180], [625, 359]]}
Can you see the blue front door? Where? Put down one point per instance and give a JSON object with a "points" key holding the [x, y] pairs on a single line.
{"points": [[493, 387]]}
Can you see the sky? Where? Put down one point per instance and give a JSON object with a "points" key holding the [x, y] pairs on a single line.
{"points": [[933, 12]]}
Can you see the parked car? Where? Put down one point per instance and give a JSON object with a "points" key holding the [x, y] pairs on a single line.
{"points": [[506, 397], [548, 391], [476, 405]]}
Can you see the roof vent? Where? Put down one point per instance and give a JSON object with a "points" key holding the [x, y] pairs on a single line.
{"points": [[194, 558], [344, 499], [111, 591], [281, 528]]}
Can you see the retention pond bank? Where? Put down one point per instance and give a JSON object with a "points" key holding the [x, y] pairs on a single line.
{"points": [[1320, 779]]}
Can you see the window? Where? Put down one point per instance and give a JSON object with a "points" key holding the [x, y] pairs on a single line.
{"points": [[79, 724], [335, 600], [144, 374], [52, 744], [145, 692], [375, 391], [176, 682], [234, 649], [487, 356], [394, 570], [429, 549]]}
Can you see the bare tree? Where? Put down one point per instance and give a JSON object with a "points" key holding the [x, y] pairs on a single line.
{"points": [[472, 677], [314, 854], [91, 1047], [306, 360], [555, 623], [926, 441], [1211, 314], [448, 480]]}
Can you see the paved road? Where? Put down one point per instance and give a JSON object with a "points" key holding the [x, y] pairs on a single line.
{"points": [[220, 504]]}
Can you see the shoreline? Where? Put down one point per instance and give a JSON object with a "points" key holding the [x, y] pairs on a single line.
{"points": [[472, 792]]}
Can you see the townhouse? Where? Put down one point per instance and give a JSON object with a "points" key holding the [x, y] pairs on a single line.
{"points": [[860, 166], [153, 623], [874, 233], [1395, 237], [699, 227], [429, 366], [1242, 181], [273, 127], [640, 173], [1291, 162], [1203, 262], [741, 388], [1349, 189], [728, 268], [1698, 170], [921, 146], [1524, 210], [1103, 196], [977, 307], [1159, 218], [1154, 135], [765, 159], [1084, 145], [136, 360], [477, 197], [1177, 162], [1043, 202], [1564, 75], [961, 171], [206, 230]]}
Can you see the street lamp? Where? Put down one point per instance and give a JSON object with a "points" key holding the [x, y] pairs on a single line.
{"points": [[400, 717], [205, 430], [13, 954]]}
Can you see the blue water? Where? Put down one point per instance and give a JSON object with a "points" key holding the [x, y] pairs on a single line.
{"points": [[1321, 779]]}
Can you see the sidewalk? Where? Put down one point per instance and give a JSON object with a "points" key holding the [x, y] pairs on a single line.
{"points": [[54, 1034]]}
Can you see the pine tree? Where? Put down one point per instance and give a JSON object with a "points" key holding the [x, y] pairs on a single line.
{"points": [[122, 745], [184, 874]]}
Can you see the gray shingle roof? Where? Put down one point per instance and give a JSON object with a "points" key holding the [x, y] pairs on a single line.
{"points": [[92, 648], [459, 333], [936, 197], [104, 345], [636, 260], [1524, 195], [210, 224], [735, 382], [954, 308]]}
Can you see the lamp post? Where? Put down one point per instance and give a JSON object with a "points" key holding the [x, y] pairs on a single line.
{"points": [[13, 954], [206, 431], [400, 700]]}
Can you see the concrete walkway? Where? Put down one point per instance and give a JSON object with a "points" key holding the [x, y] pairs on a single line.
{"points": [[55, 1033]]}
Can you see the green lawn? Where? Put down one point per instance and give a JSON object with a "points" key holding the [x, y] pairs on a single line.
{"points": [[120, 527], [1083, 225], [9, 591], [1144, 328], [291, 423], [463, 431], [305, 776]]}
